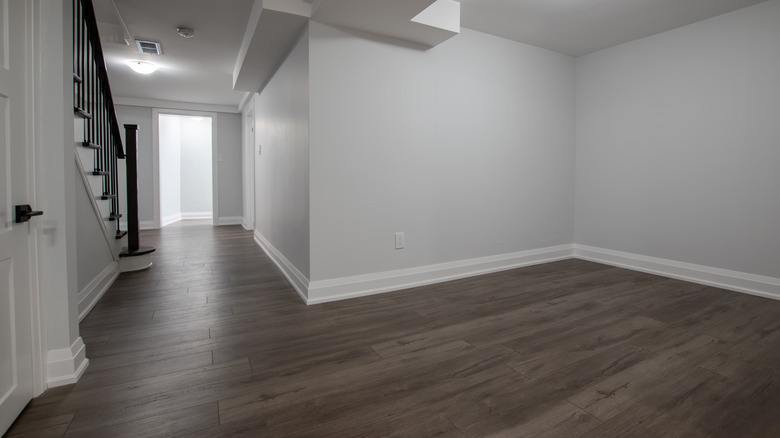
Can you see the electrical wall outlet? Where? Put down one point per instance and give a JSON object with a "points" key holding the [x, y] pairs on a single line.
{"points": [[400, 241]]}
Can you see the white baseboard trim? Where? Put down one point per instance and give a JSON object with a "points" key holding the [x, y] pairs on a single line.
{"points": [[170, 219], [322, 291], [142, 225], [135, 263], [768, 287], [92, 293], [296, 278], [196, 215], [66, 365], [230, 220]]}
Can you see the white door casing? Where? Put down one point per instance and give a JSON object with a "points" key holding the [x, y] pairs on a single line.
{"points": [[16, 239], [249, 170]]}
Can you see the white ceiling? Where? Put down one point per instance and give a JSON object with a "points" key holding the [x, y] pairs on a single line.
{"points": [[200, 70], [578, 27]]}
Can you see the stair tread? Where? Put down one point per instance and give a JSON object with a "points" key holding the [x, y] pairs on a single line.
{"points": [[77, 79], [89, 144], [141, 250], [120, 234], [81, 113]]}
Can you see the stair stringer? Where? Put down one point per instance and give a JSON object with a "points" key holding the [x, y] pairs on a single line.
{"points": [[93, 184]]}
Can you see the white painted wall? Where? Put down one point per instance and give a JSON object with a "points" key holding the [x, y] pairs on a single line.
{"points": [[678, 144], [170, 169], [282, 170], [468, 148], [196, 178], [230, 148]]}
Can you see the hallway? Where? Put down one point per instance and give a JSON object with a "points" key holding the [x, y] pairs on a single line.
{"points": [[212, 341]]}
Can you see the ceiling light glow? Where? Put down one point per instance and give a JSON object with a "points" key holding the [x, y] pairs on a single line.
{"points": [[143, 67]]}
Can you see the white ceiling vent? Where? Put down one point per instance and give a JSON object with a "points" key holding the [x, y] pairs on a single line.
{"points": [[149, 47]]}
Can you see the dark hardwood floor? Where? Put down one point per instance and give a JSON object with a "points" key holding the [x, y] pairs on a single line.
{"points": [[212, 341]]}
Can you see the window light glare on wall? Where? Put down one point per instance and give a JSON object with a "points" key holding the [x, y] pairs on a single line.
{"points": [[142, 67]]}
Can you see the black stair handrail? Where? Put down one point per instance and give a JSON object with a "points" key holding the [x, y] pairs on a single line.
{"points": [[93, 102], [93, 36]]}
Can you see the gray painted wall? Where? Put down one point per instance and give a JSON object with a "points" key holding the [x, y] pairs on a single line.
{"points": [[92, 250], [282, 170], [664, 147], [678, 144], [229, 139], [467, 147]]}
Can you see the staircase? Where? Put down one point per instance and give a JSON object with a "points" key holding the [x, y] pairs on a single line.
{"points": [[97, 131], [99, 140]]}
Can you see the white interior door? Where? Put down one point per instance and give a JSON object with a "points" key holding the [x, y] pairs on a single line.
{"points": [[16, 379]]}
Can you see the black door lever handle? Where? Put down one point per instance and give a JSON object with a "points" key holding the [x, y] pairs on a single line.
{"points": [[24, 213]]}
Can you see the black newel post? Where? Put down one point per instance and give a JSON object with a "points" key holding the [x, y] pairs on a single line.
{"points": [[134, 249], [131, 140]]}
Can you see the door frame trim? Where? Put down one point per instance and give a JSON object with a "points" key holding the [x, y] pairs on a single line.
{"points": [[156, 112], [35, 40], [249, 140]]}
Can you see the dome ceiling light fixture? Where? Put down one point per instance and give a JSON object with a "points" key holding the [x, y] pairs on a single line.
{"points": [[142, 67], [185, 32]]}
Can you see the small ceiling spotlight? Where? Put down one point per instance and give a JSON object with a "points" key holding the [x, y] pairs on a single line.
{"points": [[143, 67], [185, 32]]}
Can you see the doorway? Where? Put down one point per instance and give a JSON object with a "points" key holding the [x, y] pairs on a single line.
{"points": [[186, 169]]}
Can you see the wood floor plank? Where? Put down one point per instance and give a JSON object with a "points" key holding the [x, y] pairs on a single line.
{"points": [[97, 398], [561, 421], [346, 400], [130, 373], [674, 408], [51, 426], [516, 405], [563, 352], [211, 341], [625, 390], [175, 423]]}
